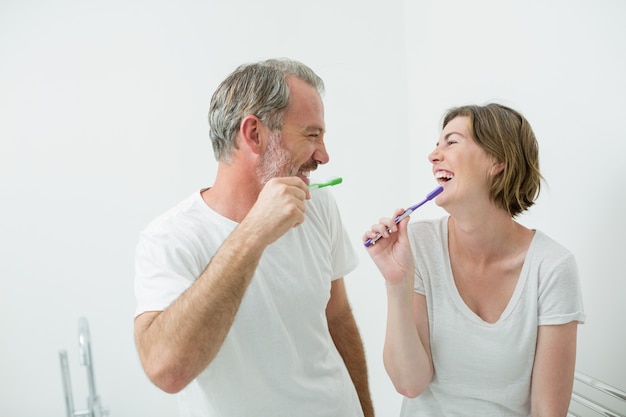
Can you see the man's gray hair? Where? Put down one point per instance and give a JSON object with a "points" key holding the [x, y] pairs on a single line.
{"points": [[259, 89]]}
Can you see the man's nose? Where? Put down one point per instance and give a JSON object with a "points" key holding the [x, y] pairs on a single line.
{"points": [[321, 155]]}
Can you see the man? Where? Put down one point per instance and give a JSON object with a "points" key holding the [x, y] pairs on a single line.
{"points": [[241, 301]]}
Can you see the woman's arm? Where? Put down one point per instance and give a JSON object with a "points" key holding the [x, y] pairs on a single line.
{"points": [[406, 355], [553, 371]]}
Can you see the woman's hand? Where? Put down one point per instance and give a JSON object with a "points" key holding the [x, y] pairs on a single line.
{"points": [[392, 252]]}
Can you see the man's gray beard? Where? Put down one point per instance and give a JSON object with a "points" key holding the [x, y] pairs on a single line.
{"points": [[275, 162]]}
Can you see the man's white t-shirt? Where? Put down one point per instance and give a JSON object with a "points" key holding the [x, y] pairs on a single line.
{"points": [[484, 369], [278, 358]]}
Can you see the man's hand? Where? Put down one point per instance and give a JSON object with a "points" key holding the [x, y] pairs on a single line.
{"points": [[279, 207]]}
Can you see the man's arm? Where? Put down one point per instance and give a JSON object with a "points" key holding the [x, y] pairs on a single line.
{"points": [[175, 345], [348, 341]]}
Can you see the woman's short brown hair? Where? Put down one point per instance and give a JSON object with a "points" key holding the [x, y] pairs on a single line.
{"points": [[506, 135]]}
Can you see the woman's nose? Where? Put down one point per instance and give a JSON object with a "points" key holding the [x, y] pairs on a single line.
{"points": [[434, 156]]}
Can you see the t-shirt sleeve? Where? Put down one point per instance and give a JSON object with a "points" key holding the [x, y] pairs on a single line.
{"points": [[425, 241], [344, 259], [559, 292], [163, 271]]}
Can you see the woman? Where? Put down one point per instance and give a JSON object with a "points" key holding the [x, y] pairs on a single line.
{"points": [[482, 311]]}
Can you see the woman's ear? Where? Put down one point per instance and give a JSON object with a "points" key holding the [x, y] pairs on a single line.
{"points": [[497, 168], [250, 133]]}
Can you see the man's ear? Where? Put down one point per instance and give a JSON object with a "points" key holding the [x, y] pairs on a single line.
{"points": [[250, 133]]}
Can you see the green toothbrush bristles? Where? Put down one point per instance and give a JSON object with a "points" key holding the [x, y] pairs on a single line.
{"points": [[334, 181]]}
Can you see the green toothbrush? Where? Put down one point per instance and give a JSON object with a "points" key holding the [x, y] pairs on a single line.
{"points": [[333, 181]]}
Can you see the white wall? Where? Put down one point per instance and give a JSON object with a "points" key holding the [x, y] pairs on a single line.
{"points": [[103, 126]]}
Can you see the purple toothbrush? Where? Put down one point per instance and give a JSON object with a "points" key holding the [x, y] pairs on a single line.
{"points": [[434, 193]]}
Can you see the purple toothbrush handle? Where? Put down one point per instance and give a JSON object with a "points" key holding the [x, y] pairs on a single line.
{"points": [[434, 193]]}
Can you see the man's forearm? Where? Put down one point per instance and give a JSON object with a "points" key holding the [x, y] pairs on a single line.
{"points": [[347, 339]]}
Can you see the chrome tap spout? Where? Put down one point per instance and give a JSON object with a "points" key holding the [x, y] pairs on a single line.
{"points": [[67, 383], [94, 408], [84, 352]]}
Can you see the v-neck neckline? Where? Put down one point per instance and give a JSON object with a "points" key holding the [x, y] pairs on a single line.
{"points": [[456, 295]]}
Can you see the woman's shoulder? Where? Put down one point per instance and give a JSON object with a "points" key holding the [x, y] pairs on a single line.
{"points": [[549, 255], [543, 243], [437, 226], [424, 233]]}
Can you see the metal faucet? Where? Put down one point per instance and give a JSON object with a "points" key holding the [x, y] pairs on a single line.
{"points": [[94, 408]]}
